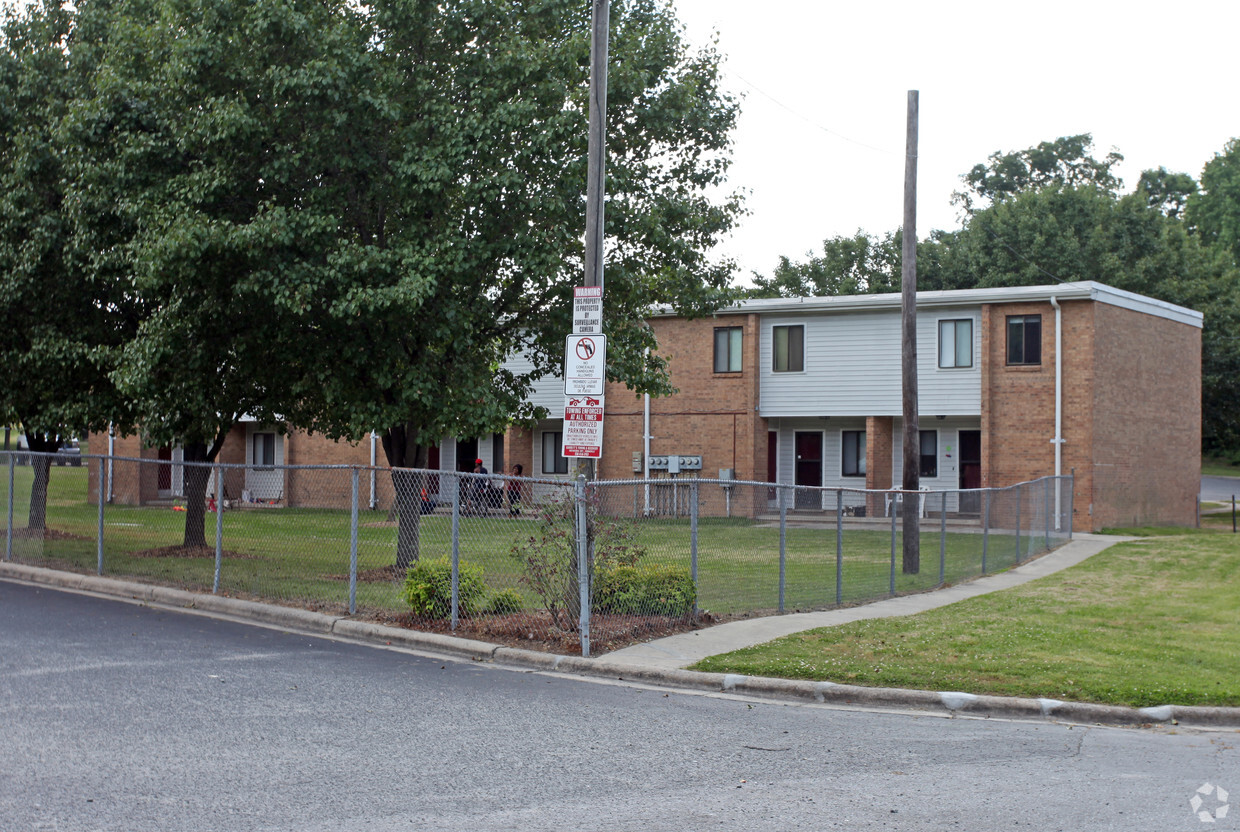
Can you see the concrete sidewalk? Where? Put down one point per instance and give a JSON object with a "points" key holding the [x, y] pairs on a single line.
{"points": [[685, 649]]}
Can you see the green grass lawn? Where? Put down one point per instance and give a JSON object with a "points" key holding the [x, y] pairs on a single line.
{"points": [[1218, 467], [301, 556], [1145, 623]]}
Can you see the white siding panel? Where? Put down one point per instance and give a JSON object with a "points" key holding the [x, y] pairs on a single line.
{"points": [[547, 392], [852, 367]]}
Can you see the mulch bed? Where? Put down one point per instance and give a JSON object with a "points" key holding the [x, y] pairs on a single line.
{"points": [[46, 534], [534, 630]]}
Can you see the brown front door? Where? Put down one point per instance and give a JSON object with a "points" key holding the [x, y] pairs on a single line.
{"points": [[808, 467], [970, 470]]}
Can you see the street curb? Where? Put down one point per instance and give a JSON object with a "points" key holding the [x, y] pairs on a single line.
{"points": [[952, 703]]}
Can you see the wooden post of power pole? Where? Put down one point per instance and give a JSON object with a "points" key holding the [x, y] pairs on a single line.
{"points": [[908, 352], [596, 159]]}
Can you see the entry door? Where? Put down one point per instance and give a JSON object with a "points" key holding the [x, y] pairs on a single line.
{"points": [[970, 470], [808, 469]]}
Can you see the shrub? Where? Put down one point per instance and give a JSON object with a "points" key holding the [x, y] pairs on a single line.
{"points": [[504, 602], [646, 589], [428, 588]]}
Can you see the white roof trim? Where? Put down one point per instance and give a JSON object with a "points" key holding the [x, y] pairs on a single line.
{"points": [[1083, 290]]}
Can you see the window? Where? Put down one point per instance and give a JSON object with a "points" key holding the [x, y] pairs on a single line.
{"points": [[853, 453], [788, 346], [265, 449], [728, 349], [929, 453], [1024, 339], [956, 343], [553, 462]]}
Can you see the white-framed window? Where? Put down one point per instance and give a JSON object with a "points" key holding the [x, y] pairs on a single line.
{"points": [[956, 343], [788, 348], [728, 349], [553, 462], [852, 453], [265, 450]]}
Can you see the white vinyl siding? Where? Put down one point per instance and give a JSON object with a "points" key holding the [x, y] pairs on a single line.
{"points": [[852, 367], [547, 392]]}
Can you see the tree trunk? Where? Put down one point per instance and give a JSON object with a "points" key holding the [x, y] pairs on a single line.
{"points": [[41, 467], [196, 477], [407, 487]]}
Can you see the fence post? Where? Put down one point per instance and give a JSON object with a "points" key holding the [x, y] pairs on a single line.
{"points": [[99, 536], [942, 535], [1020, 499], [461, 484], [693, 540], [219, 527], [839, 547], [892, 579], [1046, 497], [353, 542], [783, 540], [583, 566], [985, 526], [8, 529]]}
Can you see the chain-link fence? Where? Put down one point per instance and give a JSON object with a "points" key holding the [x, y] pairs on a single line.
{"points": [[558, 564]]}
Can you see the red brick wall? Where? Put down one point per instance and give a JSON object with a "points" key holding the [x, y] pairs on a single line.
{"points": [[879, 440], [1147, 409]]}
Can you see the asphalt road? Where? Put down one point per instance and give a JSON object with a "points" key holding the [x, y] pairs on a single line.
{"points": [[120, 717], [1219, 488]]}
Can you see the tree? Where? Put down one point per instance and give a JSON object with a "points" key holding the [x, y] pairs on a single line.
{"points": [[1065, 161], [61, 327], [856, 265], [388, 200], [467, 241], [1166, 191], [1214, 211]]}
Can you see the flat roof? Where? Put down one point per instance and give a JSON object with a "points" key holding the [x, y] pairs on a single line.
{"points": [[1082, 290]]}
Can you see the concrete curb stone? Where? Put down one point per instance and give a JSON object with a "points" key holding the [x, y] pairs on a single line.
{"points": [[950, 702]]}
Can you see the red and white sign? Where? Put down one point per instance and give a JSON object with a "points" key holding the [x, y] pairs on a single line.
{"points": [[588, 310], [583, 426], [585, 365]]}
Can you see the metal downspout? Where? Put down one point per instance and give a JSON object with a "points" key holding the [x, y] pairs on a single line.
{"points": [[1058, 440]]}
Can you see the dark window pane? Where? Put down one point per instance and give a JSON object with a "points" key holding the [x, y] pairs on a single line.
{"points": [[1033, 340]]}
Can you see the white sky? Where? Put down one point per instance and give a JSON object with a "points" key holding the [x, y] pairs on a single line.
{"points": [[820, 141]]}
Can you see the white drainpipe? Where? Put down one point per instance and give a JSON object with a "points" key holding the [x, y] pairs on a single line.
{"points": [[646, 450], [1058, 440], [374, 438]]}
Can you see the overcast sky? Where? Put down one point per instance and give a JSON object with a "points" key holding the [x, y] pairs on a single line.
{"points": [[820, 142]]}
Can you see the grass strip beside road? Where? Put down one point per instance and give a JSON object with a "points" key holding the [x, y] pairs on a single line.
{"points": [[1146, 623]]}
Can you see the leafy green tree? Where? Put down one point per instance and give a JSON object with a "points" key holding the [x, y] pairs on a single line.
{"points": [[1064, 161], [1168, 192], [348, 217], [61, 327], [1214, 211], [856, 265]]}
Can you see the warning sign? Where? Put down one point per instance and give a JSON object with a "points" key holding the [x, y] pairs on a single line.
{"points": [[585, 365], [588, 310], [583, 426]]}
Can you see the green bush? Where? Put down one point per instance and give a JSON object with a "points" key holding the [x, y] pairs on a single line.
{"points": [[428, 588], [504, 602], [645, 589]]}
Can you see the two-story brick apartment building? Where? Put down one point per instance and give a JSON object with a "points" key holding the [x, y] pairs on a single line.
{"points": [[1014, 384], [808, 391]]}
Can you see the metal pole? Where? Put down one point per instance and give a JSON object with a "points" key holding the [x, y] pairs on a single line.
{"points": [[1071, 501], [783, 541], [103, 477], [219, 527], [461, 483], [693, 538], [839, 547], [8, 533], [892, 581], [1046, 503], [942, 535], [583, 566], [353, 543], [1020, 499], [985, 526], [1233, 514]]}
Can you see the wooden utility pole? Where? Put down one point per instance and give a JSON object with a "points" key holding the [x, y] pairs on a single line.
{"points": [[596, 160], [908, 351]]}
